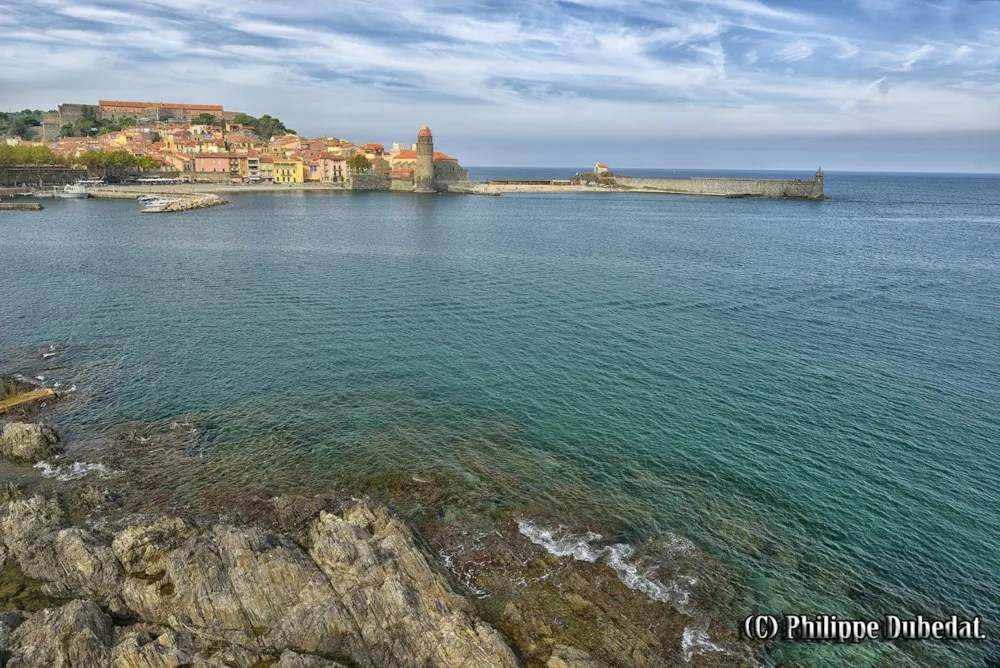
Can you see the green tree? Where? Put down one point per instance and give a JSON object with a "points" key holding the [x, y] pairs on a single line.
{"points": [[207, 119], [113, 163], [28, 155], [145, 163], [359, 164]]}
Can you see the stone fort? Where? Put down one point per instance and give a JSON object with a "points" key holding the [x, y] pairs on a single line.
{"points": [[422, 170]]}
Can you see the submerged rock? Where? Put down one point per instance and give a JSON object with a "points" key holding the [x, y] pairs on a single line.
{"points": [[29, 442]]}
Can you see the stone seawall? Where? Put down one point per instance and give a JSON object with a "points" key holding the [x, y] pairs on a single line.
{"points": [[777, 189], [370, 182], [13, 177]]}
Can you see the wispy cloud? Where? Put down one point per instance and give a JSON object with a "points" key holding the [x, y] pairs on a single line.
{"points": [[576, 68]]}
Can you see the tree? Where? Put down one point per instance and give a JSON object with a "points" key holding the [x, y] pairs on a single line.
{"points": [[207, 119], [115, 163], [28, 155], [359, 164]]}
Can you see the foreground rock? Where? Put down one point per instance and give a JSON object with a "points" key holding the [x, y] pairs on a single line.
{"points": [[29, 442], [77, 634], [359, 592]]}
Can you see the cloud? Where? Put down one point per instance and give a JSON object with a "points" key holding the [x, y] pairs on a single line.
{"points": [[539, 68], [798, 50]]}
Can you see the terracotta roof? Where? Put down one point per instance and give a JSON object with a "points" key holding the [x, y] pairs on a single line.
{"points": [[400, 173], [405, 155], [443, 156]]}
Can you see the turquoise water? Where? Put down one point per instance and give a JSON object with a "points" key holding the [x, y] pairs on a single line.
{"points": [[807, 390]]}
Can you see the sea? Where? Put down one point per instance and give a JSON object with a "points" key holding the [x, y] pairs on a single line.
{"points": [[807, 391]]}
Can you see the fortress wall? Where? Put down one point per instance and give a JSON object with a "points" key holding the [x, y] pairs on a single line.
{"points": [[401, 185], [370, 182], [812, 189]]}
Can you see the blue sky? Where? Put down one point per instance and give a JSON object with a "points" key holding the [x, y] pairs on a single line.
{"points": [[852, 84]]}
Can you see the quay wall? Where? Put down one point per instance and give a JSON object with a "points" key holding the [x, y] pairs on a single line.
{"points": [[811, 189], [370, 182], [12, 177]]}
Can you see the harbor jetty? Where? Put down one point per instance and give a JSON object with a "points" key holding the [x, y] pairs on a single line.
{"points": [[179, 201], [603, 180], [20, 206]]}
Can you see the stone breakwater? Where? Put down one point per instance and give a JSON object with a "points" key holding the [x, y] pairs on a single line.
{"points": [[180, 201], [811, 189], [765, 188], [92, 574], [20, 206], [205, 201]]}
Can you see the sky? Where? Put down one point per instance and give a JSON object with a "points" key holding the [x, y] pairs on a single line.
{"points": [[882, 85]]}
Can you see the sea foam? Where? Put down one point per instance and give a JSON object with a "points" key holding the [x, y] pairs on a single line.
{"points": [[585, 547], [696, 641], [72, 471]]}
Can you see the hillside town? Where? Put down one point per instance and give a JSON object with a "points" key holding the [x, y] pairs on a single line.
{"points": [[205, 143]]}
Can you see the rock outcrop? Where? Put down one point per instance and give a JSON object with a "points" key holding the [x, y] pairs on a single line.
{"points": [[360, 592], [28, 442], [77, 634]]}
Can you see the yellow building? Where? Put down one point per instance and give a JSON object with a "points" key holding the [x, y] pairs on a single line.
{"points": [[288, 170], [266, 169]]}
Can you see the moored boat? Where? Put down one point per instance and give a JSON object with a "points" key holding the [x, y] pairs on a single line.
{"points": [[75, 191]]}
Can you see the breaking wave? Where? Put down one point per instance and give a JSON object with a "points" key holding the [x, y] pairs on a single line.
{"points": [[72, 471], [696, 641], [635, 574]]}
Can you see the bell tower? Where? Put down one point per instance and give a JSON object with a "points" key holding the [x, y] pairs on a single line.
{"points": [[423, 173]]}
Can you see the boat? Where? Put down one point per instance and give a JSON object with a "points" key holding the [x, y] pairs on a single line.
{"points": [[147, 198], [157, 205], [75, 191]]}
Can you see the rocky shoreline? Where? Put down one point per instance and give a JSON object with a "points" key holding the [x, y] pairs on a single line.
{"points": [[99, 571]]}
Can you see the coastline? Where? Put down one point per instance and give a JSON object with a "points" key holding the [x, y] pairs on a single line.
{"points": [[502, 577]]}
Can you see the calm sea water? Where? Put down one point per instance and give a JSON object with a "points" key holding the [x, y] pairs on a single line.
{"points": [[807, 390]]}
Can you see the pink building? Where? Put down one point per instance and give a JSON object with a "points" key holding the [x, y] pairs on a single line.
{"points": [[211, 162]]}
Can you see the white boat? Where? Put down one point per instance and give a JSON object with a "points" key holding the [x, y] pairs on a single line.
{"points": [[157, 205], [75, 191]]}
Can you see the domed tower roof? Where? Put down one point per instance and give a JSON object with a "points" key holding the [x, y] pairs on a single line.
{"points": [[424, 132]]}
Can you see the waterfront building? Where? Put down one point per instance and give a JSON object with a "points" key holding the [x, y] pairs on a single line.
{"points": [[266, 169], [601, 168], [211, 162], [289, 170], [253, 167], [239, 168]]}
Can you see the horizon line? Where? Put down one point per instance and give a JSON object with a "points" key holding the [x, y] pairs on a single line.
{"points": [[752, 169]]}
